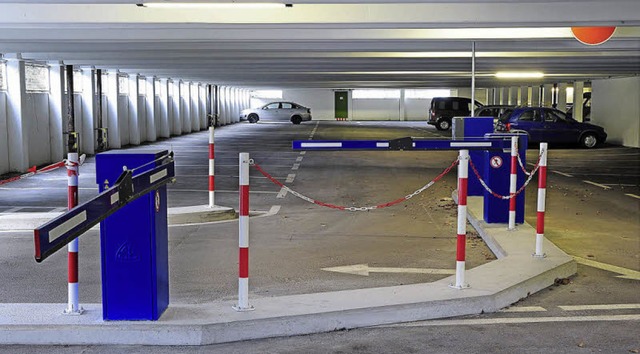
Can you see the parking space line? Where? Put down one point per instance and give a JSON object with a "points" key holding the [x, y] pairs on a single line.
{"points": [[600, 307], [299, 159], [562, 174], [290, 178], [217, 191], [632, 195], [525, 309], [282, 193], [597, 185], [295, 166]]}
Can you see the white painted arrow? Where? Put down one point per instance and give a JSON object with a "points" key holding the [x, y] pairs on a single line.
{"points": [[364, 269], [626, 273]]}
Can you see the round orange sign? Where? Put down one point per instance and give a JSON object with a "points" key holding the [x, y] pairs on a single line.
{"points": [[593, 35]]}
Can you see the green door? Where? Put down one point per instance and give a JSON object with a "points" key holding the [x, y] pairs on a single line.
{"points": [[342, 104]]}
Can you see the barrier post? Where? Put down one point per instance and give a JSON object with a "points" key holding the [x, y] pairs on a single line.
{"points": [[73, 307], [512, 183], [463, 174], [211, 169], [542, 195], [243, 222]]}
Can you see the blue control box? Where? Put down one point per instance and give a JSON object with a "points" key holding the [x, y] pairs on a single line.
{"points": [[473, 127], [134, 244]]}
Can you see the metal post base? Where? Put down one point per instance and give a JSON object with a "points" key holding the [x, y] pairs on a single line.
{"points": [[243, 309], [73, 312], [461, 287], [540, 256]]}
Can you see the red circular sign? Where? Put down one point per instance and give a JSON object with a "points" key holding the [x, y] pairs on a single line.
{"points": [[593, 35]]}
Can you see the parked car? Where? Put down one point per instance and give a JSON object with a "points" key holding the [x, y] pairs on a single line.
{"points": [[443, 109], [278, 111], [495, 111], [543, 124]]}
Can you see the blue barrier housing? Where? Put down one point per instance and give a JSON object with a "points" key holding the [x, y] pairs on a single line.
{"points": [[134, 243], [498, 178], [467, 128]]}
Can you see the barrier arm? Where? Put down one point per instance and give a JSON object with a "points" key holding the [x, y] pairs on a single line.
{"points": [[406, 143], [58, 232]]}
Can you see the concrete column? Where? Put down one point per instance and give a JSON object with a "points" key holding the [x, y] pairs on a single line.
{"points": [[134, 119], [524, 96], [150, 105], [578, 89], [88, 96], [185, 116], [562, 97], [56, 93], [113, 123], [163, 108], [504, 95], [194, 97], [203, 107], [535, 95], [547, 94], [17, 127], [402, 106], [491, 94], [513, 96]]}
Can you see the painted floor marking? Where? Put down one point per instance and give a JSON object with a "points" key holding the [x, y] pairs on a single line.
{"points": [[524, 309], [632, 195], [626, 273], [13, 210], [490, 321], [252, 214], [364, 269], [562, 174], [597, 185], [295, 166], [290, 178], [282, 193], [303, 152], [217, 191], [299, 159], [600, 307]]}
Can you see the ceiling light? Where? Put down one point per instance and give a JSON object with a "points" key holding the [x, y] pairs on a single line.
{"points": [[214, 5], [519, 75]]}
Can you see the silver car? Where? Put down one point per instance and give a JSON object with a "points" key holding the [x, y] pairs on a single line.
{"points": [[277, 111]]}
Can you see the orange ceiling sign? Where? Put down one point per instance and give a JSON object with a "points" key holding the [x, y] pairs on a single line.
{"points": [[593, 35]]}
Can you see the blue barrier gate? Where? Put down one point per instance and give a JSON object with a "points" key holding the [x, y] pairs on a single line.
{"points": [[144, 190]]}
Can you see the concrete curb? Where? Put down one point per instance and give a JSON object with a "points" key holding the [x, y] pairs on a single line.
{"points": [[515, 275]]}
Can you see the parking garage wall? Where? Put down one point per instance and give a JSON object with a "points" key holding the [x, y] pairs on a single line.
{"points": [[616, 107]]}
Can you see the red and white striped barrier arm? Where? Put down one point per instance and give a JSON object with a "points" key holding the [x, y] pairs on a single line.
{"points": [[463, 175], [73, 306], [32, 171], [542, 195], [243, 221], [513, 180], [212, 185]]}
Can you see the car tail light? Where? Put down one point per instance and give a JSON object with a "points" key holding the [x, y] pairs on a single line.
{"points": [[508, 127]]}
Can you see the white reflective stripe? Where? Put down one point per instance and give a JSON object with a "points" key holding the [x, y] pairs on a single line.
{"points": [[470, 144], [462, 219], [115, 197], [67, 225], [73, 246], [514, 146], [382, 145], [243, 239], [543, 151], [463, 165], [72, 181], [513, 179], [460, 273], [158, 175], [320, 145], [542, 192], [244, 169], [210, 135], [211, 167]]}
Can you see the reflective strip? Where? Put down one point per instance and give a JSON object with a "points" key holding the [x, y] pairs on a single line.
{"points": [[212, 167], [115, 197], [472, 144], [158, 175], [541, 199], [302, 145], [462, 219], [67, 225], [243, 230], [382, 145]]}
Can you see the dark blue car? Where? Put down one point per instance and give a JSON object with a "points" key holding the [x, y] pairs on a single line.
{"points": [[543, 124]]}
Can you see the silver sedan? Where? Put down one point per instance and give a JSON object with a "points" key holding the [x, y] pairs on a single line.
{"points": [[278, 111]]}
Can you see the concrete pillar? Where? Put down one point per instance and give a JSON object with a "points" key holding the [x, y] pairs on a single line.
{"points": [[491, 95], [203, 107], [524, 95], [547, 94], [194, 96], [402, 106], [513, 96], [113, 123], [134, 119], [535, 95], [163, 108], [17, 127], [562, 97], [185, 114], [87, 128], [56, 93], [150, 108], [578, 89]]}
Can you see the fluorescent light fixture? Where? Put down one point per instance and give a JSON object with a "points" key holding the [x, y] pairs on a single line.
{"points": [[519, 75], [214, 5]]}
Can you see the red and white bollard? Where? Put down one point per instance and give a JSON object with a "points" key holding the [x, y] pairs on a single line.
{"points": [[463, 174], [243, 221], [513, 182], [212, 185], [542, 195], [73, 307]]}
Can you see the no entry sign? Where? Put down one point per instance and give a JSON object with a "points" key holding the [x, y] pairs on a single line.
{"points": [[593, 35]]}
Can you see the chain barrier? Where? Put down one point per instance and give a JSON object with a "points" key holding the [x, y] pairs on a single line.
{"points": [[524, 170], [345, 208], [485, 186]]}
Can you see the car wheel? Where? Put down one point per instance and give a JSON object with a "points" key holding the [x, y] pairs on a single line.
{"points": [[443, 124], [296, 119], [252, 118], [589, 140]]}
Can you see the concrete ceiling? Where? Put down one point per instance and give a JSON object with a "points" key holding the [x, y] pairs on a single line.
{"points": [[331, 44]]}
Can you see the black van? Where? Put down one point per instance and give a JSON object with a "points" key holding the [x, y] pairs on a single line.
{"points": [[443, 109]]}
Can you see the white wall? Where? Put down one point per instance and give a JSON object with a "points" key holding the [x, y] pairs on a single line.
{"points": [[376, 109], [319, 100], [616, 107], [416, 109]]}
